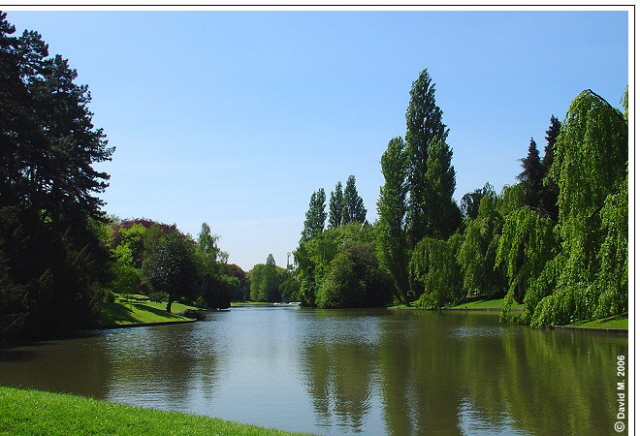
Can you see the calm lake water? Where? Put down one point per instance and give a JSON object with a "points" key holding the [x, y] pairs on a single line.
{"points": [[344, 371]]}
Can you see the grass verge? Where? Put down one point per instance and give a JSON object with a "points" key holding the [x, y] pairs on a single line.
{"points": [[30, 412], [486, 305], [119, 314], [617, 322], [490, 305]]}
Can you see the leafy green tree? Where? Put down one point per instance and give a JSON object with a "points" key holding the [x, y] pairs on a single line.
{"points": [[527, 243], [265, 283], [340, 287], [353, 208], [352, 277], [336, 204], [172, 268], [434, 266], [590, 169], [126, 277], [470, 202], [477, 254], [215, 286], [391, 240], [316, 216], [52, 255], [424, 126], [443, 215]]}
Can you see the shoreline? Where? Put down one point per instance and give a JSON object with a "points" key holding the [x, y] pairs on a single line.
{"points": [[496, 310]]}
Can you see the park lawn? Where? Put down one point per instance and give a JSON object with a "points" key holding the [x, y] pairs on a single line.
{"points": [[618, 322], [31, 412], [117, 314], [486, 304]]}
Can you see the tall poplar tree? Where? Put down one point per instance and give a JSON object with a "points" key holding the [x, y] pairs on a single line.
{"points": [[392, 207], [336, 203], [353, 209], [316, 216], [424, 127]]}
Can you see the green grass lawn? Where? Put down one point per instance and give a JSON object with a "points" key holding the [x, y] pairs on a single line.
{"points": [[30, 412], [614, 322], [473, 305], [485, 304], [147, 312]]}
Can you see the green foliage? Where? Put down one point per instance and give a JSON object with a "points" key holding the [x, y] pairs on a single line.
{"points": [[430, 177], [353, 209], [590, 157], [265, 281], [339, 268], [340, 287], [172, 268], [433, 264], [442, 213], [527, 243], [511, 199], [126, 277], [315, 217], [531, 177], [478, 250], [336, 204], [51, 257], [391, 241]]}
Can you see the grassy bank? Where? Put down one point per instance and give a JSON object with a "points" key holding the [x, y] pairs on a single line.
{"points": [[122, 313], [29, 412], [485, 305], [489, 305], [618, 322]]}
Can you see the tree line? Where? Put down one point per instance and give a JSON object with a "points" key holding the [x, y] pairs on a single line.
{"points": [[556, 241]]}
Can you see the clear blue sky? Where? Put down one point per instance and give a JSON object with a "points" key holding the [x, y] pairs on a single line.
{"points": [[235, 118]]}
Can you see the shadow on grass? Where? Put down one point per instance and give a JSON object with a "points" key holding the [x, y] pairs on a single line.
{"points": [[158, 312], [114, 313]]}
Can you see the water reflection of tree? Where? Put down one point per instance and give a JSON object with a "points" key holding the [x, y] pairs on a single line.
{"points": [[457, 373], [547, 381], [340, 374], [419, 375], [162, 367]]}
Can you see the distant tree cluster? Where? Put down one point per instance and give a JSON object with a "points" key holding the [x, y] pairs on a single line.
{"points": [[338, 266], [158, 260], [271, 283]]}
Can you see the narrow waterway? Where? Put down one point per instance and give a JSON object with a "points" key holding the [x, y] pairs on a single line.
{"points": [[374, 372]]}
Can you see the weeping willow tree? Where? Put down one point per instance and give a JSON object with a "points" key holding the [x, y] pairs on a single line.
{"points": [[590, 169], [433, 265], [477, 253], [527, 243]]}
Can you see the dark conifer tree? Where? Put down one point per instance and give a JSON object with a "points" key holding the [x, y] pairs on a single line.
{"points": [[549, 197], [531, 176]]}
